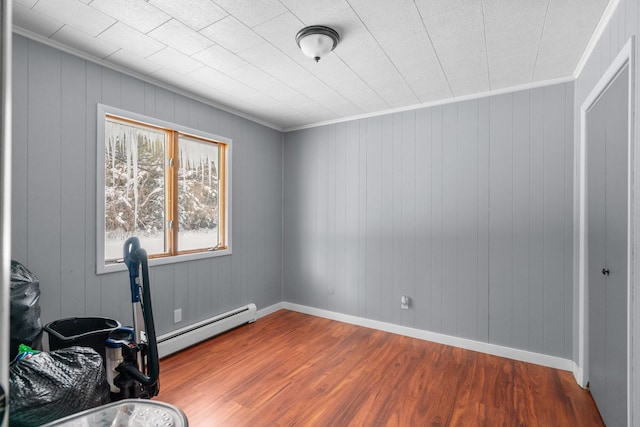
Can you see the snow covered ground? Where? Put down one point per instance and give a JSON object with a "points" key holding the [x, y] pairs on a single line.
{"points": [[204, 238]]}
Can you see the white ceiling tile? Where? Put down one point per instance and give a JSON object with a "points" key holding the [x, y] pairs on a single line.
{"points": [[25, 3], [318, 113], [215, 94], [265, 108], [268, 58], [220, 58], [509, 80], [276, 89], [402, 42], [554, 66], [170, 76], [223, 82], [434, 7], [133, 62], [330, 69], [359, 93], [431, 95], [566, 33], [252, 12], [131, 40], [345, 109], [395, 93], [292, 121], [262, 102], [258, 79], [322, 116], [414, 67], [364, 100], [366, 58], [386, 15], [471, 84], [197, 14], [316, 12], [521, 64], [373, 107], [292, 113], [356, 40], [311, 86], [467, 66], [78, 15], [403, 54], [380, 70], [329, 98], [514, 24], [513, 31], [231, 34], [174, 60], [281, 31], [422, 86], [237, 103], [34, 21], [84, 42], [207, 92], [296, 99], [180, 37], [138, 14], [456, 32]]}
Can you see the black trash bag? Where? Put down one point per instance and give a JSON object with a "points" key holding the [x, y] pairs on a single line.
{"points": [[2, 404], [26, 326], [50, 386]]}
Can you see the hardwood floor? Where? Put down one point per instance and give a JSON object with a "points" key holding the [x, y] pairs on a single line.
{"points": [[293, 369]]}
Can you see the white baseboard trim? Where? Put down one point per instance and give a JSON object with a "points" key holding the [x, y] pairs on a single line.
{"points": [[269, 310], [483, 347], [578, 374]]}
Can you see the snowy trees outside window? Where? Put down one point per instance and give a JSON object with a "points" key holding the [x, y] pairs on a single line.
{"points": [[163, 186], [134, 187], [198, 201]]}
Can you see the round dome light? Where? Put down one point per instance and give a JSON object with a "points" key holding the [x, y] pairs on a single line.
{"points": [[316, 41]]}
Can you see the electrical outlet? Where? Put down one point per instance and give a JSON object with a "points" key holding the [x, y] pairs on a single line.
{"points": [[404, 302], [177, 315]]}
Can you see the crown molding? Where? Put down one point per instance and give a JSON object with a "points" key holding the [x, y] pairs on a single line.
{"points": [[439, 102], [595, 37]]}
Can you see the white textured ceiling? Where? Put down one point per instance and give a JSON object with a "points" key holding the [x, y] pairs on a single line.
{"points": [[242, 54]]}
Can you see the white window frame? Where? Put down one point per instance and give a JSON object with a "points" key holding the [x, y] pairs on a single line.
{"points": [[101, 266]]}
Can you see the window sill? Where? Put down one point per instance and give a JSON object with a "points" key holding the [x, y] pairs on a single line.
{"points": [[120, 266]]}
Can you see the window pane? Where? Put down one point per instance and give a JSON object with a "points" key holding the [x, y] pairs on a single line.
{"points": [[135, 187], [198, 195]]}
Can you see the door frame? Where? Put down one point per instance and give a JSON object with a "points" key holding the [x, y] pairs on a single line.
{"points": [[626, 57]]}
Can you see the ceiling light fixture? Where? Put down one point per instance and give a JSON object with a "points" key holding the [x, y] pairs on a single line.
{"points": [[317, 40]]}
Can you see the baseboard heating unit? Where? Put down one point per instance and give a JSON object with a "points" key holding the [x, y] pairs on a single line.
{"points": [[193, 334]]}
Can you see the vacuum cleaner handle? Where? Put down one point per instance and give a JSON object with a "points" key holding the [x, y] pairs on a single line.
{"points": [[134, 256], [132, 261], [153, 359]]}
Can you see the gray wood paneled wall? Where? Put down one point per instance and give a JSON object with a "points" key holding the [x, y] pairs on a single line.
{"points": [[624, 24], [54, 195], [466, 208]]}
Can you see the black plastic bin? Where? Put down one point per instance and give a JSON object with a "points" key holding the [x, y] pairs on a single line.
{"points": [[80, 331]]}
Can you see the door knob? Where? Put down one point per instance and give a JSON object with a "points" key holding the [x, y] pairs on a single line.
{"points": [[605, 271]]}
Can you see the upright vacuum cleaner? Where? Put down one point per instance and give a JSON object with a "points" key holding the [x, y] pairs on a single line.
{"points": [[131, 354]]}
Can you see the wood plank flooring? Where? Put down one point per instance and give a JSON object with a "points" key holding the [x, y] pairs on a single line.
{"points": [[293, 369]]}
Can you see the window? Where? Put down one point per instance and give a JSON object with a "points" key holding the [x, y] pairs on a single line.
{"points": [[163, 183]]}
